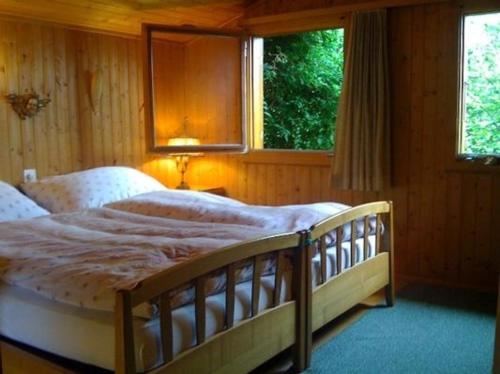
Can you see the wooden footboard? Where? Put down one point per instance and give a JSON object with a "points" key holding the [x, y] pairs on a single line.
{"points": [[363, 277], [240, 347]]}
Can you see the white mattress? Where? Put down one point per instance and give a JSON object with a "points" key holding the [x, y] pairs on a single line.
{"points": [[88, 336]]}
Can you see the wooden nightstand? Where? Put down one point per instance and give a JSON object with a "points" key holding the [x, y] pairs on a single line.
{"points": [[221, 191]]}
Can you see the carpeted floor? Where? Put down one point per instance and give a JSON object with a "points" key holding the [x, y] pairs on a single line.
{"points": [[429, 330]]}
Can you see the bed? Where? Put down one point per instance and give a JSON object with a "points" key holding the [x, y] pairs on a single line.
{"points": [[282, 306]]}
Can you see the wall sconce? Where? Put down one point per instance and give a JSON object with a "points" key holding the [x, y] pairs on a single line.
{"points": [[182, 159], [27, 105]]}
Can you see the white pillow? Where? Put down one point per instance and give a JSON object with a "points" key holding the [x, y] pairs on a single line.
{"points": [[90, 189], [14, 205]]}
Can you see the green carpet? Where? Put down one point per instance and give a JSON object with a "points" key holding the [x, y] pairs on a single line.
{"points": [[429, 330]]}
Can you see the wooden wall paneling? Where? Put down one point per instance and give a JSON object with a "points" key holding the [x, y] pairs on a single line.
{"points": [[116, 116], [82, 70], [262, 184], [445, 111], [91, 121], [468, 226], [139, 105], [101, 122], [400, 44], [5, 170], [15, 137], [123, 83], [25, 84], [135, 70], [429, 125], [50, 112], [73, 101], [482, 256], [63, 99], [40, 122], [452, 244], [414, 230]]}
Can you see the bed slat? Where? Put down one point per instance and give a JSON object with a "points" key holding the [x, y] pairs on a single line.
{"points": [[230, 289], [340, 237], [166, 327], [378, 232], [124, 334], [200, 310], [354, 236], [257, 272], [322, 251], [278, 277], [366, 232]]}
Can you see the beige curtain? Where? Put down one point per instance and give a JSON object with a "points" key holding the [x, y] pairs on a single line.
{"points": [[362, 152]]}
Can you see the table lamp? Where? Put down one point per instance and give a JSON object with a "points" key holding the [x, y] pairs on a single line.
{"points": [[182, 159]]}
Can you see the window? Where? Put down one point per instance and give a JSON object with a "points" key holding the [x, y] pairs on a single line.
{"points": [[299, 77], [480, 111]]}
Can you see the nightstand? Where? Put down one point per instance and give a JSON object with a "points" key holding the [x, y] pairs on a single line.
{"points": [[221, 191]]}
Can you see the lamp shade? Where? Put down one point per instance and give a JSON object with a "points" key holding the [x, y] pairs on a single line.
{"points": [[183, 141]]}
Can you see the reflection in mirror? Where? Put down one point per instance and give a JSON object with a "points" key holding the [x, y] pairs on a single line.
{"points": [[197, 84]]}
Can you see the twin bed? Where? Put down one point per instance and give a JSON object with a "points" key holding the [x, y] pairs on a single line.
{"points": [[132, 277]]}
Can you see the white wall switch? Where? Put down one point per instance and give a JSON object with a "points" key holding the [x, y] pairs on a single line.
{"points": [[30, 175]]}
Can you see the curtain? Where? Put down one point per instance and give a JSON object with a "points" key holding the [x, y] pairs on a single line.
{"points": [[362, 152]]}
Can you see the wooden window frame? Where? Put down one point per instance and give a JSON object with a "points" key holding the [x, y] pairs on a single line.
{"points": [[281, 25], [470, 8]]}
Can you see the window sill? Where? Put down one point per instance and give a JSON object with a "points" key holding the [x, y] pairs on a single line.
{"points": [[476, 164], [288, 157]]}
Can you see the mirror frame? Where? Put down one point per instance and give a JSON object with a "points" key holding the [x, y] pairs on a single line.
{"points": [[147, 31]]}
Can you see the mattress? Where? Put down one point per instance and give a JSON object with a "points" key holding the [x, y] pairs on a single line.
{"points": [[88, 335]]}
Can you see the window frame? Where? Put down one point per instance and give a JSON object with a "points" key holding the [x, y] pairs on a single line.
{"points": [[469, 9], [256, 95]]}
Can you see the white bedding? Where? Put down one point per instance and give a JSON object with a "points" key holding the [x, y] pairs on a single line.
{"points": [[83, 258], [66, 330], [80, 259], [88, 336]]}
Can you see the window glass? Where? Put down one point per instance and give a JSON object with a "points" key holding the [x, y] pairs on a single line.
{"points": [[302, 76], [480, 128]]}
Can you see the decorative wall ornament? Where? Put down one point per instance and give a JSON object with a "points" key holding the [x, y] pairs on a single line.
{"points": [[27, 105], [94, 87]]}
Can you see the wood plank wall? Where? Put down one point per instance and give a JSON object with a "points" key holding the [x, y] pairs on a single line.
{"points": [[69, 134], [447, 215]]}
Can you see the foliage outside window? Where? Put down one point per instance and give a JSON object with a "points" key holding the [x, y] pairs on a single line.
{"points": [[480, 128], [302, 83]]}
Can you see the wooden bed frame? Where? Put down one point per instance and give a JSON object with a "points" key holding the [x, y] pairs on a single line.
{"points": [[334, 296], [238, 348], [248, 344]]}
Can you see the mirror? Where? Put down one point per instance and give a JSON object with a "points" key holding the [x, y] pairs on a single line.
{"points": [[195, 84]]}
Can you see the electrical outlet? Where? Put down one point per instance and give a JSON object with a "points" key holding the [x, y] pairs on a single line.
{"points": [[30, 175]]}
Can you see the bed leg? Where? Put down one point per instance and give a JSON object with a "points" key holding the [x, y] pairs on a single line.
{"points": [[302, 289], [389, 294], [390, 289]]}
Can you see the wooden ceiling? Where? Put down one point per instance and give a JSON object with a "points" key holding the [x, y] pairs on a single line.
{"points": [[126, 16]]}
